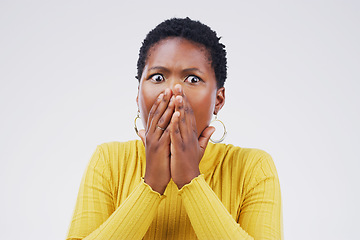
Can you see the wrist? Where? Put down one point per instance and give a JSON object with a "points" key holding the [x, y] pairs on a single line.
{"points": [[187, 179], [155, 185]]}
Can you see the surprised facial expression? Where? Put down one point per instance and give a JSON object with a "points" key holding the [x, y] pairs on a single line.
{"points": [[176, 60]]}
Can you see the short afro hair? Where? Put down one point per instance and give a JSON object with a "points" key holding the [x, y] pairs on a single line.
{"points": [[191, 30]]}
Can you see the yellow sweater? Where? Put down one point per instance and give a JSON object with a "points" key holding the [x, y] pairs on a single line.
{"points": [[237, 196]]}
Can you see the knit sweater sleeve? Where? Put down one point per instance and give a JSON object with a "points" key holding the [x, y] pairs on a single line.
{"points": [[95, 216], [259, 214]]}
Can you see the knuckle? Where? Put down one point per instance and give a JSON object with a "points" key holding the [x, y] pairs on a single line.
{"points": [[183, 147], [156, 147], [151, 113], [148, 141]]}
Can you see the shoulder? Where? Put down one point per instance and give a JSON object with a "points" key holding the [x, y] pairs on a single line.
{"points": [[114, 153], [110, 148], [234, 153], [246, 160], [118, 159]]}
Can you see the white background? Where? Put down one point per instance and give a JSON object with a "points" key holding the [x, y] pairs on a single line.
{"points": [[67, 84]]}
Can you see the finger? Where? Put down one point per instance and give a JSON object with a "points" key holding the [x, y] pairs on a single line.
{"points": [[189, 116], [187, 123], [142, 135], [165, 137], [190, 121], [179, 107], [175, 135], [178, 91], [165, 118], [205, 137], [160, 110], [153, 110]]}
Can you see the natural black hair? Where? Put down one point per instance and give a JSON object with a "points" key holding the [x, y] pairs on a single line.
{"points": [[191, 30]]}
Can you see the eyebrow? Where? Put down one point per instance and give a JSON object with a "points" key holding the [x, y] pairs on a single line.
{"points": [[192, 70], [167, 70], [159, 68]]}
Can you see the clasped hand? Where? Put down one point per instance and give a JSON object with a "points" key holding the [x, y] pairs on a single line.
{"points": [[173, 149]]}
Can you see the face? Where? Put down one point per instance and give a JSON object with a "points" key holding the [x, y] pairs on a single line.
{"points": [[179, 61]]}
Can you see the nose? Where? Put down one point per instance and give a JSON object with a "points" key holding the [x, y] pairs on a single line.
{"points": [[174, 86]]}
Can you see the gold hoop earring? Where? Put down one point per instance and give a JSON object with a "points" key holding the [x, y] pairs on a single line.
{"points": [[224, 134], [136, 118]]}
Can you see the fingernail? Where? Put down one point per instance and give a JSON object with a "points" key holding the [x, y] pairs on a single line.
{"points": [[179, 99], [160, 96], [178, 88]]}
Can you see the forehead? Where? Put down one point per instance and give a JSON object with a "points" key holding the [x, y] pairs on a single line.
{"points": [[176, 49]]}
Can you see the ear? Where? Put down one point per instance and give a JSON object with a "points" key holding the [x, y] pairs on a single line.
{"points": [[220, 100]]}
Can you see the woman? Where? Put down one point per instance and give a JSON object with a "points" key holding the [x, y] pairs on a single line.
{"points": [[173, 184]]}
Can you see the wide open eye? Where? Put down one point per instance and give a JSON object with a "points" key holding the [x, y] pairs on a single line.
{"points": [[192, 79], [157, 78]]}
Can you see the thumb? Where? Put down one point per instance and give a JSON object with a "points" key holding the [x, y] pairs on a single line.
{"points": [[142, 135], [205, 136]]}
